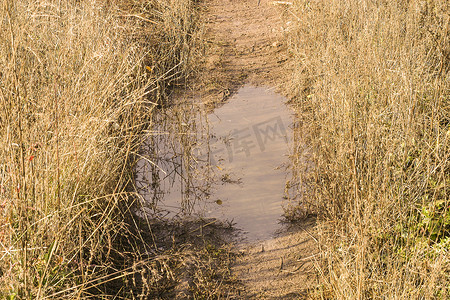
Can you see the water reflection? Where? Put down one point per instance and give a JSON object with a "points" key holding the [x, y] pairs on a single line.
{"points": [[230, 164]]}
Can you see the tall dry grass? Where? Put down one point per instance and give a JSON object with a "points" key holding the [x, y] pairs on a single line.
{"points": [[78, 81], [372, 87]]}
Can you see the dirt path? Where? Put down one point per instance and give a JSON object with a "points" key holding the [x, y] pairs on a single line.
{"points": [[245, 45], [280, 268]]}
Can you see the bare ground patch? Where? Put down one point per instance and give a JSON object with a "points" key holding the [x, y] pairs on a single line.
{"points": [[244, 44], [280, 268]]}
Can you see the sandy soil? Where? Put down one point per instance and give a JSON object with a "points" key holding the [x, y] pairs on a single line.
{"points": [[245, 45], [280, 268]]}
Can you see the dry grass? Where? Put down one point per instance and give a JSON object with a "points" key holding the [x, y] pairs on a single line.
{"points": [[372, 87], [78, 81]]}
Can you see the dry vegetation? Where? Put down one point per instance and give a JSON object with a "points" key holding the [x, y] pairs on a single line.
{"points": [[372, 86], [78, 82]]}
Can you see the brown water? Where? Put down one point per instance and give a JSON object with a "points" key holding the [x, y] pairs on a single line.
{"points": [[229, 164]]}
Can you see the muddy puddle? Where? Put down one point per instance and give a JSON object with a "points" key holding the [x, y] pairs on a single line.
{"points": [[229, 164]]}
